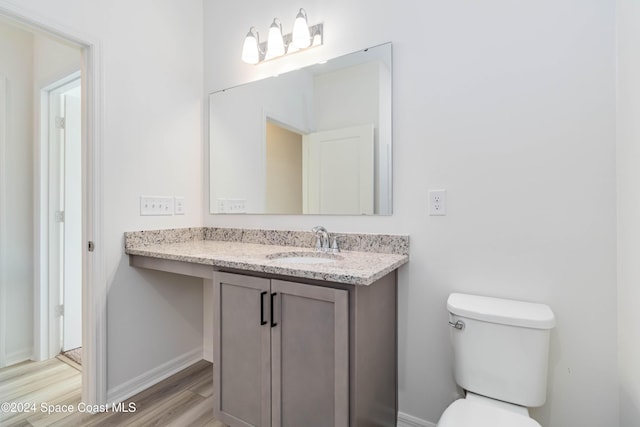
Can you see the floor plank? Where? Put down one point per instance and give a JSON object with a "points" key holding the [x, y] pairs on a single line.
{"points": [[41, 419], [197, 416], [184, 399]]}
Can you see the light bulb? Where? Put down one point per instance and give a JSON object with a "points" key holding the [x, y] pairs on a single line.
{"points": [[301, 35], [250, 51], [275, 43]]}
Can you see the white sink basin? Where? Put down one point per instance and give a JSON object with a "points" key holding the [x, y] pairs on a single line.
{"points": [[304, 258]]}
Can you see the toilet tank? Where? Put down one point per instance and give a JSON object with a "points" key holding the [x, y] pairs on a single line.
{"points": [[502, 351]]}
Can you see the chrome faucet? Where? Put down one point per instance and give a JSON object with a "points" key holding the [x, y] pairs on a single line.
{"points": [[322, 238]]}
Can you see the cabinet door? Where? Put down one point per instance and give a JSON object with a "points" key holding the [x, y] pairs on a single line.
{"points": [[309, 356], [242, 370]]}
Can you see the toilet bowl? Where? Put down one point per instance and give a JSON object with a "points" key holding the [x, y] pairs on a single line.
{"points": [[500, 359], [480, 411]]}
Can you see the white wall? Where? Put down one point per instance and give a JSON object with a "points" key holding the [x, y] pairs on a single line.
{"points": [[510, 106], [52, 60], [344, 98], [16, 64], [628, 166], [152, 144]]}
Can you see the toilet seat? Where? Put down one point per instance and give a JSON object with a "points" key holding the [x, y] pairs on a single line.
{"points": [[475, 413]]}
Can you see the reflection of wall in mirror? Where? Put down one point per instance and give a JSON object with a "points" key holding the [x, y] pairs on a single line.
{"points": [[304, 102], [284, 171], [237, 134], [342, 99], [354, 96]]}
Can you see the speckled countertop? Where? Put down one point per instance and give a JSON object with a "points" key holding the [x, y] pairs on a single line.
{"points": [[254, 250]]}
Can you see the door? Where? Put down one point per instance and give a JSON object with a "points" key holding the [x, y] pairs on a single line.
{"points": [[309, 356], [338, 171], [65, 214], [241, 335], [72, 252]]}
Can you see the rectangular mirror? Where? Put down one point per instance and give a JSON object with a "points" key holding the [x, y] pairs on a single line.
{"points": [[311, 141]]}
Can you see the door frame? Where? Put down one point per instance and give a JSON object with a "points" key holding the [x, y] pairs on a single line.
{"points": [[3, 225], [94, 384]]}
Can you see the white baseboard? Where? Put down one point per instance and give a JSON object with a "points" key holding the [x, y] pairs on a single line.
{"points": [[406, 420], [18, 356], [153, 376], [207, 354]]}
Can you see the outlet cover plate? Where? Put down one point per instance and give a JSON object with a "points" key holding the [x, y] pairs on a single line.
{"points": [[437, 202], [156, 205]]}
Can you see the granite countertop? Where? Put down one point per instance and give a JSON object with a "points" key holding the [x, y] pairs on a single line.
{"points": [[350, 267]]}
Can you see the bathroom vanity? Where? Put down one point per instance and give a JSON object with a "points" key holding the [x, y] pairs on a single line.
{"points": [[300, 337]]}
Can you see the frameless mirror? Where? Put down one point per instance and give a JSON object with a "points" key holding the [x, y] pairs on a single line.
{"points": [[312, 141]]}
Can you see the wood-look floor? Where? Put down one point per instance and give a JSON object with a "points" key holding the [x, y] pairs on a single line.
{"points": [[184, 399]]}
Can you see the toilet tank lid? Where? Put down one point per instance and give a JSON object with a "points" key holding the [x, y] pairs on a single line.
{"points": [[503, 311]]}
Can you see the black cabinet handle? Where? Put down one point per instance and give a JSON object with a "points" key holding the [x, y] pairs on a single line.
{"points": [[262, 321], [273, 295]]}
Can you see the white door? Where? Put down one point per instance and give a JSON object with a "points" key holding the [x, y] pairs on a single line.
{"points": [[338, 171], [72, 287], [65, 204]]}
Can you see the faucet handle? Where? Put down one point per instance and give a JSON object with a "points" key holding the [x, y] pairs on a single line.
{"points": [[334, 245]]}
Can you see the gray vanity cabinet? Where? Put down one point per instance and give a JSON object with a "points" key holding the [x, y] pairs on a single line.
{"points": [[281, 353], [242, 350]]}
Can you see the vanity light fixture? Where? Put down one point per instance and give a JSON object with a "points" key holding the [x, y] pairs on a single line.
{"points": [[277, 44]]}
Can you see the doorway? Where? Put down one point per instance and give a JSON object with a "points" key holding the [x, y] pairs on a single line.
{"points": [[62, 110], [93, 279]]}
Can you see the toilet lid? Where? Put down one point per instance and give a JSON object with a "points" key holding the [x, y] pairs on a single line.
{"points": [[463, 413]]}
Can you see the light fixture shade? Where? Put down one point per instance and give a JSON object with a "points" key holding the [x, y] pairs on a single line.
{"points": [[301, 36], [317, 39], [250, 50], [275, 42]]}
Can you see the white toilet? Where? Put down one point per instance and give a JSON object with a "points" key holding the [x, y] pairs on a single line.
{"points": [[501, 353]]}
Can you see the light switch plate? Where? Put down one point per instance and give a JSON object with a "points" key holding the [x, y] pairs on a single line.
{"points": [[156, 205]]}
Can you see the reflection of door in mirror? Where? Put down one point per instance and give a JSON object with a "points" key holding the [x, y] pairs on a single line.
{"points": [[338, 170], [329, 172]]}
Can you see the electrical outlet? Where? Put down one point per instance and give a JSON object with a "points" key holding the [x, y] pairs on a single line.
{"points": [[221, 205], [179, 205], [156, 205], [437, 202]]}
